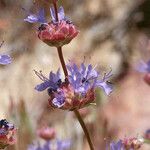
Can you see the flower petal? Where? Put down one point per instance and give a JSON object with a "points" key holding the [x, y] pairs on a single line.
{"points": [[5, 59]]}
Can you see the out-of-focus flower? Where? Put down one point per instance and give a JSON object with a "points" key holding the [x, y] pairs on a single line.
{"points": [[46, 133], [51, 145], [76, 92], [7, 134], [145, 68], [147, 134], [133, 143], [115, 146], [57, 32], [5, 59]]}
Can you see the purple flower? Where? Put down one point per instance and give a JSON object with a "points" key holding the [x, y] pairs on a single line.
{"points": [[36, 18], [85, 78], [52, 82], [144, 67], [5, 59], [115, 146], [48, 145]]}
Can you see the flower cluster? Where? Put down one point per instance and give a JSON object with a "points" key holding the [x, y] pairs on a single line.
{"points": [[126, 144], [7, 134], [77, 90], [133, 143], [4, 59], [58, 32]]}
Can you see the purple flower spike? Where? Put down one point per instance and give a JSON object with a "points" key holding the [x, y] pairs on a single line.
{"points": [[5, 59], [52, 83], [144, 67], [39, 18], [61, 14]]}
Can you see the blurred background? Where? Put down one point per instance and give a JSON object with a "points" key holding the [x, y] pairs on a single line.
{"points": [[113, 34]]}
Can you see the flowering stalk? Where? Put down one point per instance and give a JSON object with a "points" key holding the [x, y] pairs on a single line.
{"points": [[59, 50]]}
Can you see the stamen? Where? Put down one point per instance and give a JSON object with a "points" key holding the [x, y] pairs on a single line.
{"points": [[40, 75]]}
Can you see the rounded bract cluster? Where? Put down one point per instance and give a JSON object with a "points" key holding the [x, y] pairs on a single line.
{"points": [[57, 34]]}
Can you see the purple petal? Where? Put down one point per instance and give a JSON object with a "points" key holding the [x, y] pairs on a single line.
{"points": [[105, 86], [61, 14], [33, 18], [42, 86], [5, 59]]}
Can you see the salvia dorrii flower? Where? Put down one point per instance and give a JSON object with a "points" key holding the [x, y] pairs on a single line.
{"points": [[46, 133], [7, 134], [133, 143], [51, 145], [57, 32], [78, 90]]}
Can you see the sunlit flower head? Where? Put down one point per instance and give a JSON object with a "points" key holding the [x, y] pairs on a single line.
{"points": [[57, 32], [78, 90]]}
